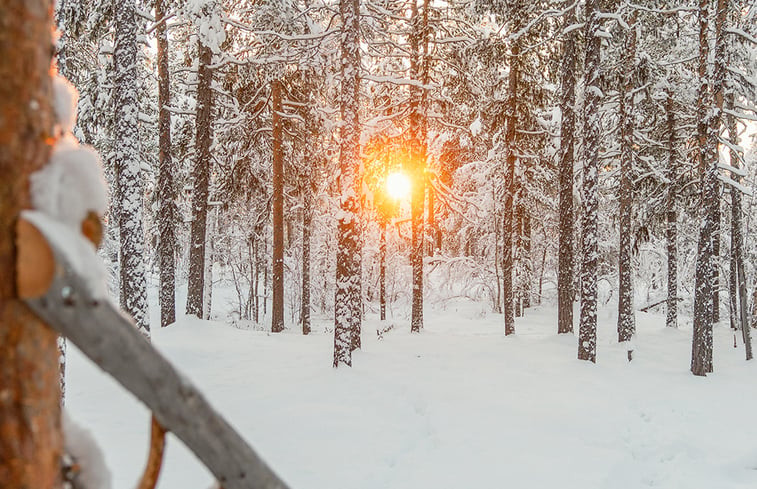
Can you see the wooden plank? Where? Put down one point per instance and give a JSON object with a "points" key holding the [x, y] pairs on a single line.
{"points": [[110, 340]]}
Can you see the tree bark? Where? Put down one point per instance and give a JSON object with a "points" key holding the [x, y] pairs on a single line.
{"points": [[737, 238], [587, 333], [382, 269], [708, 133], [671, 320], [567, 140], [201, 187], [626, 319], [307, 218], [133, 285], [348, 228], [166, 216], [418, 128], [30, 436], [508, 221], [277, 307]]}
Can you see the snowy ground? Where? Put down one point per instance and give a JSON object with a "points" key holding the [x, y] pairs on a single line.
{"points": [[458, 406]]}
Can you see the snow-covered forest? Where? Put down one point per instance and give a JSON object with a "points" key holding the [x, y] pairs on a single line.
{"points": [[475, 241]]}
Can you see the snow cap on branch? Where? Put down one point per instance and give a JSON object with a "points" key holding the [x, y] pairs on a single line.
{"points": [[207, 16], [71, 184], [65, 98]]}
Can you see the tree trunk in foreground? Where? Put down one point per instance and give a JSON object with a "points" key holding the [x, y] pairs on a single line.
{"points": [[30, 438]]}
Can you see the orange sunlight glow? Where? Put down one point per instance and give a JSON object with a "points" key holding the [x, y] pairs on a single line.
{"points": [[397, 185]]}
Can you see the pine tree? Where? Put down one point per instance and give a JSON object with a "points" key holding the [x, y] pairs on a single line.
{"points": [[166, 216], [567, 138], [587, 333], [626, 320], [133, 286], [277, 307], [201, 177], [709, 114], [511, 188], [671, 215], [346, 308], [418, 134]]}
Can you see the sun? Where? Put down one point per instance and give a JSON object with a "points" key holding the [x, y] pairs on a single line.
{"points": [[397, 185]]}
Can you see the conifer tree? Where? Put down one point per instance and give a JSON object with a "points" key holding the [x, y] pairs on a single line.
{"points": [[346, 306], [133, 286]]}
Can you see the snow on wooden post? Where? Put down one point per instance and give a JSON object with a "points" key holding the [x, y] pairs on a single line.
{"points": [[54, 279]]}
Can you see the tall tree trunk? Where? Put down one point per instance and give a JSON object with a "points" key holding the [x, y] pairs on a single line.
{"points": [[716, 260], [256, 281], [133, 285], [567, 139], [382, 269], [307, 218], [626, 319], [201, 188], [348, 229], [509, 215], [737, 238], [708, 132], [166, 216], [671, 321], [30, 438], [498, 258], [733, 286], [587, 332], [277, 307], [418, 123]]}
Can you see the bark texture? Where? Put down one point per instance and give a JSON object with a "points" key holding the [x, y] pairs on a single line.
{"points": [[508, 220], [671, 319], [709, 111], [567, 145], [201, 187], [307, 219], [133, 285], [346, 311], [418, 128], [587, 332], [30, 438], [277, 306], [166, 214], [739, 294], [626, 318]]}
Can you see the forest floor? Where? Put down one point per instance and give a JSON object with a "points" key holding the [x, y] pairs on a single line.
{"points": [[457, 406]]}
